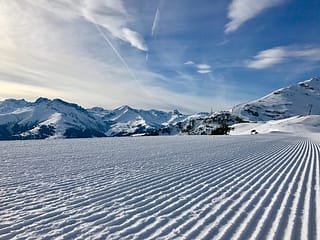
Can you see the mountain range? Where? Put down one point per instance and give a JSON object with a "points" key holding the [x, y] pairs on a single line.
{"points": [[45, 118]]}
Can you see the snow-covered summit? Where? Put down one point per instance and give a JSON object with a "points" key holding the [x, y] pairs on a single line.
{"points": [[10, 105], [44, 118], [299, 99], [56, 118], [126, 120]]}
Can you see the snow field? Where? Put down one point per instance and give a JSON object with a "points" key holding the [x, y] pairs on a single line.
{"points": [[194, 187]]}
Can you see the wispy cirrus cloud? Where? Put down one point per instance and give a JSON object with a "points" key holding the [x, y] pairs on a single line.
{"points": [[277, 55], [202, 68], [240, 11], [111, 15], [189, 62]]}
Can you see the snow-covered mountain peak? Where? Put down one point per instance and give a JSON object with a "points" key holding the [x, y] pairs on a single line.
{"points": [[42, 100], [310, 85], [10, 105], [44, 117], [176, 112], [58, 104], [14, 101], [315, 80], [124, 108], [299, 99]]}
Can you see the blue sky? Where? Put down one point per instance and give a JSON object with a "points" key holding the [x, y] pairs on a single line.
{"points": [[185, 54]]}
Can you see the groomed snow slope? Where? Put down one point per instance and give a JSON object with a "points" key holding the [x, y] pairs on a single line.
{"points": [[298, 125], [243, 187]]}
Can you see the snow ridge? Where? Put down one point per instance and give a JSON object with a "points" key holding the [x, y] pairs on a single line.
{"points": [[299, 99]]}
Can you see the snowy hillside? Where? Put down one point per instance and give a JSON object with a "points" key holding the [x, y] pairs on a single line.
{"points": [[298, 125], [300, 99]]}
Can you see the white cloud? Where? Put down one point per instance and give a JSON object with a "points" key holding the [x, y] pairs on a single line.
{"points": [[111, 15], [135, 39], [312, 54], [203, 66], [204, 71], [268, 58], [189, 63], [277, 55], [241, 11]]}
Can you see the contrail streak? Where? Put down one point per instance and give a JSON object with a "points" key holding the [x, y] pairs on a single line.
{"points": [[155, 22], [132, 75], [115, 51]]}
